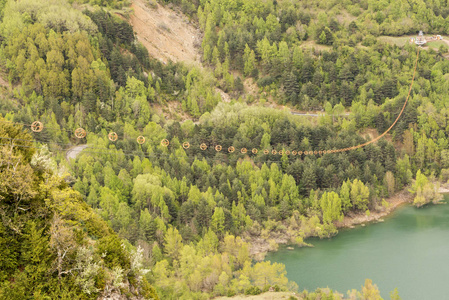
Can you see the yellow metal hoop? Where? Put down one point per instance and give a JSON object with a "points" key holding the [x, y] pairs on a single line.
{"points": [[37, 126], [165, 143], [112, 136], [80, 133]]}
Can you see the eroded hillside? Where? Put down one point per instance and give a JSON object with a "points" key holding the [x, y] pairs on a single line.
{"points": [[168, 35]]}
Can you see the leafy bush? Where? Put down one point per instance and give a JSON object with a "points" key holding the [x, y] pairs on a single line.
{"points": [[264, 81], [254, 290]]}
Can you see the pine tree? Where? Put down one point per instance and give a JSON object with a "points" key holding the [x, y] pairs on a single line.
{"points": [[291, 87], [308, 179], [250, 61], [218, 220], [173, 243]]}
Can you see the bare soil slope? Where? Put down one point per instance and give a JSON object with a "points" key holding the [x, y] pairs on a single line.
{"points": [[168, 35]]}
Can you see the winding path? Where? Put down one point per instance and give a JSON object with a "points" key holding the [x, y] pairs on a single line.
{"points": [[315, 114], [73, 152]]}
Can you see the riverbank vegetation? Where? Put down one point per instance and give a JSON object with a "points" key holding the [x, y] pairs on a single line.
{"points": [[197, 214], [425, 191]]}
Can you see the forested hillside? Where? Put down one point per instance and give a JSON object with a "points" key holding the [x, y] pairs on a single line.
{"points": [[52, 244], [191, 217], [264, 40]]}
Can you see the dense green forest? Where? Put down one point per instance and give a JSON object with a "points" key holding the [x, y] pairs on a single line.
{"points": [[128, 217], [52, 244]]}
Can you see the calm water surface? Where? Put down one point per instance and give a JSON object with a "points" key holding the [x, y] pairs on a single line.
{"points": [[410, 251]]}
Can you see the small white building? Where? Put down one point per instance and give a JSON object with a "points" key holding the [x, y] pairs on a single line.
{"points": [[420, 39]]}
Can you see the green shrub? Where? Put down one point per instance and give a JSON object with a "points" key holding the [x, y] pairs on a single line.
{"points": [[254, 290]]}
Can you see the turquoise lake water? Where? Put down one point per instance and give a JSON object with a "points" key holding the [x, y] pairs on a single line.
{"points": [[409, 251]]}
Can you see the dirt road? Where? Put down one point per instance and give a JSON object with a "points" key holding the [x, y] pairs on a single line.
{"points": [[72, 153]]}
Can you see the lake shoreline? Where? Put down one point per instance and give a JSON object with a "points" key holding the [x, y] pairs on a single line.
{"points": [[352, 219], [259, 247], [411, 241]]}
